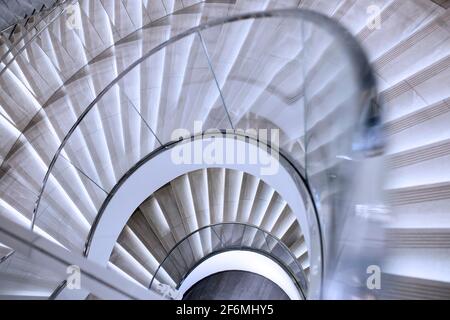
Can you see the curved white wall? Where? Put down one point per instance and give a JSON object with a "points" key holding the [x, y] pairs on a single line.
{"points": [[159, 171], [242, 261]]}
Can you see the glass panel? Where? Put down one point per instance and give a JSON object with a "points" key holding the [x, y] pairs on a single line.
{"points": [[316, 246], [262, 82], [207, 239], [247, 237], [343, 133], [185, 250], [298, 273], [288, 73], [228, 236], [217, 243], [195, 242], [182, 91], [19, 276], [106, 143], [178, 260], [168, 273], [282, 254], [18, 195], [235, 234], [68, 205], [252, 235], [260, 242]]}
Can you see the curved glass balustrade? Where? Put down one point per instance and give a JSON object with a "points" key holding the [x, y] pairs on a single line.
{"points": [[180, 261], [292, 70], [52, 92]]}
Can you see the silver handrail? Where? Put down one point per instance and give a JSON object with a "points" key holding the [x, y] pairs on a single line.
{"points": [[299, 278], [284, 159], [354, 50], [363, 72]]}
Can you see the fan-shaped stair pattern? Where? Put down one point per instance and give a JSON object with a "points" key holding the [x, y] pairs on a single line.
{"points": [[51, 73], [194, 201]]}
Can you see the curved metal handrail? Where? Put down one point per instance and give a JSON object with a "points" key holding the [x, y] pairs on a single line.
{"points": [[167, 147], [55, 93], [354, 50], [290, 162], [364, 76], [301, 283]]}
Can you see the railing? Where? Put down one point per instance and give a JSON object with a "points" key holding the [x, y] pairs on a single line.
{"points": [[53, 14], [180, 261], [10, 28], [5, 253], [310, 79]]}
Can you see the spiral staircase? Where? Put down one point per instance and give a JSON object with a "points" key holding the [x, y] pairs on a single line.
{"points": [[88, 89], [178, 209]]}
